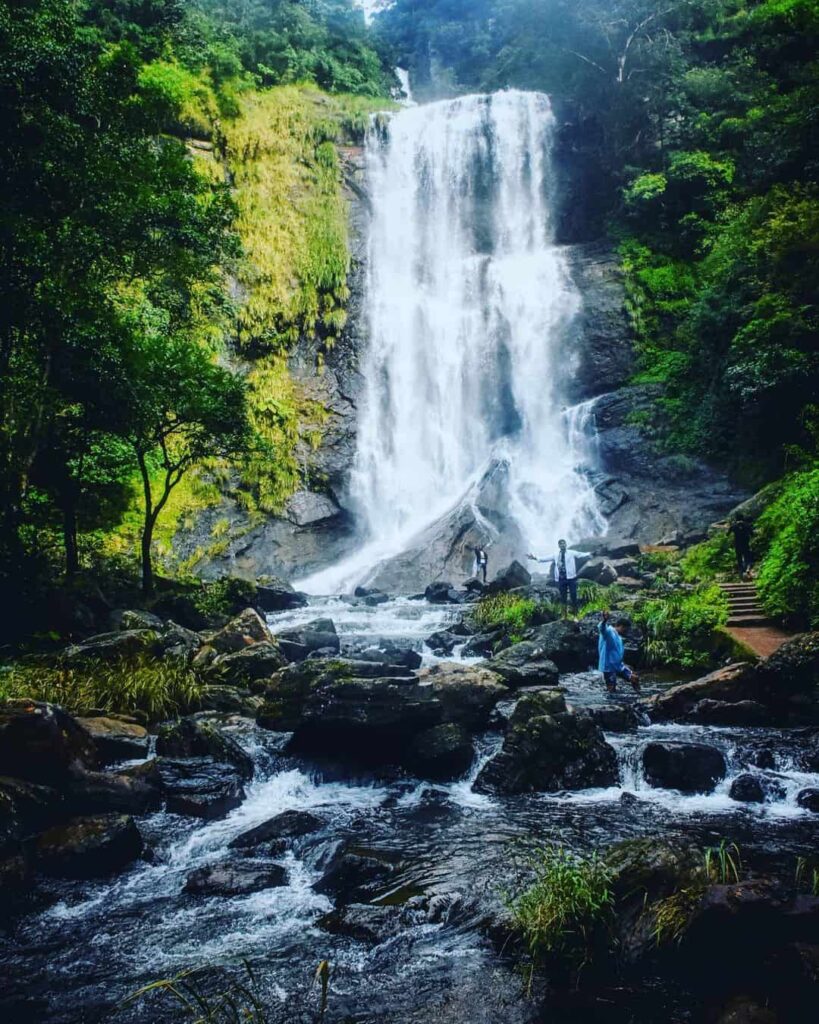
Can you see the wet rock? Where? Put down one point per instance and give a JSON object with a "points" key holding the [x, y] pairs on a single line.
{"points": [[599, 570], [514, 575], [320, 634], [100, 793], [245, 629], [274, 594], [442, 593], [525, 664], [791, 676], [719, 712], [443, 642], [748, 789], [197, 737], [482, 645], [178, 642], [372, 596], [356, 874], [115, 738], [374, 719], [125, 645], [363, 922], [238, 668], [745, 1010], [387, 652], [288, 825], [135, 618], [730, 684], [547, 749], [614, 717], [40, 742], [688, 767], [234, 879], [230, 700], [564, 643], [88, 847], [441, 753], [199, 787], [808, 799], [26, 807]]}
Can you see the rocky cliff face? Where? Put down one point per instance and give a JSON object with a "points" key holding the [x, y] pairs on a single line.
{"points": [[644, 496]]}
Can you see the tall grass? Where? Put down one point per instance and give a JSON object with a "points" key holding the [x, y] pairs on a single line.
{"points": [[680, 628], [235, 1001], [155, 688], [565, 905]]}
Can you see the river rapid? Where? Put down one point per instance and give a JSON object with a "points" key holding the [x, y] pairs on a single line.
{"points": [[453, 857]]}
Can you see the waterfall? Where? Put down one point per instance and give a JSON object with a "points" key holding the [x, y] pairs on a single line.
{"points": [[468, 301]]}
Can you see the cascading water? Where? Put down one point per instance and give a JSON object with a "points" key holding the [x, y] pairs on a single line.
{"points": [[468, 302]]}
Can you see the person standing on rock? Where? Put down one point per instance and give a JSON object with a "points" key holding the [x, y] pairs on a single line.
{"points": [[565, 574], [742, 530], [481, 561], [611, 649]]}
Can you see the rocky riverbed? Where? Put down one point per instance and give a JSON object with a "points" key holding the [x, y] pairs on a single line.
{"points": [[346, 794]]}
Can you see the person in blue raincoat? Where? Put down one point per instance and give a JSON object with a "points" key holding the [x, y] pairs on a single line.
{"points": [[610, 648]]}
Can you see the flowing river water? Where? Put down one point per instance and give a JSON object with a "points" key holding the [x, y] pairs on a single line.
{"points": [[453, 854]]}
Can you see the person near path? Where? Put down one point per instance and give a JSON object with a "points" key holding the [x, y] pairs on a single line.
{"points": [[565, 573], [481, 561], [611, 649], [742, 530]]}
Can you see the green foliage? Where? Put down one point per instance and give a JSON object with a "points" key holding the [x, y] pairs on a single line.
{"points": [[566, 904], [206, 996], [680, 628], [594, 597], [673, 914], [156, 688], [789, 535], [710, 559], [723, 863], [222, 597], [511, 612]]}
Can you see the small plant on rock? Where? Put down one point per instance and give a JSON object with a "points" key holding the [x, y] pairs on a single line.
{"points": [[723, 863], [562, 910]]}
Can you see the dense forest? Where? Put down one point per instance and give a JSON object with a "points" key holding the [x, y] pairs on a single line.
{"points": [[161, 272]]}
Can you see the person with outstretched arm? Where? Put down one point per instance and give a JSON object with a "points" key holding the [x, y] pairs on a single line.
{"points": [[481, 561], [565, 573], [610, 648]]}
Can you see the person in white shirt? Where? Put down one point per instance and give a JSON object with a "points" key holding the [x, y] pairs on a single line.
{"points": [[564, 569]]}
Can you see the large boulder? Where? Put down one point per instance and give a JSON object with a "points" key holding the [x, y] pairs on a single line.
{"points": [[126, 644], [235, 879], [790, 677], [525, 664], [599, 570], [720, 712], [442, 592], [88, 847], [688, 767], [245, 629], [514, 575], [238, 668], [385, 651], [101, 793], [42, 743], [547, 749], [199, 787], [332, 711], [198, 737], [287, 825], [356, 874], [443, 642], [318, 635], [564, 643], [134, 618], [747, 789], [441, 753], [116, 737], [730, 684], [274, 594], [178, 642]]}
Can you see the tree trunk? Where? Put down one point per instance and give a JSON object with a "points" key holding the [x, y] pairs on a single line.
{"points": [[72, 555], [147, 526]]}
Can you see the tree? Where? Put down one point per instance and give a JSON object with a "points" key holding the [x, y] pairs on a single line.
{"points": [[178, 408]]}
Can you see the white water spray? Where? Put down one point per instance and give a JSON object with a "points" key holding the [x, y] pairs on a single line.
{"points": [[468, 300]]}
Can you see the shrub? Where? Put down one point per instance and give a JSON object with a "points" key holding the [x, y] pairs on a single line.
{"points": [[156, 688], [565, 905], [789, 533], [680, 628], [708, 560], [508, 611]]}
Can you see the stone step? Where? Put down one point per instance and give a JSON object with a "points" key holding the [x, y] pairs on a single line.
{"points": [[749, 620]]}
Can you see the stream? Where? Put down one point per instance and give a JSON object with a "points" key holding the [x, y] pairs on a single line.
{"points": [[453, 855]]}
